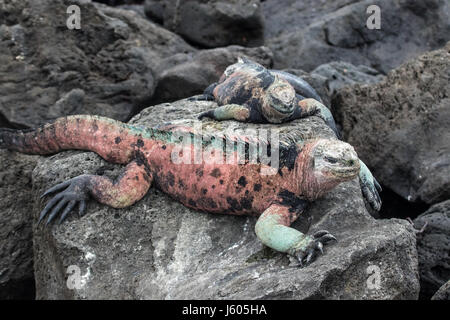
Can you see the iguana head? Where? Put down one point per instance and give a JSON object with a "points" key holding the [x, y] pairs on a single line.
{"points": [[326, 163], [279, 101]]}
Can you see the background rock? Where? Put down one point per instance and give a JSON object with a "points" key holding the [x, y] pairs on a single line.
{"points": [[327, 78], [104, 68], [306, 34], [341, 74], [211, 23], [16, 254], [433, 247], [400, 127], [158, 249], [443, 293], [185, 75]]}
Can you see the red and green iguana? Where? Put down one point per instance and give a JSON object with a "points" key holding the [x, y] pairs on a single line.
{"points": [[306, 171]]}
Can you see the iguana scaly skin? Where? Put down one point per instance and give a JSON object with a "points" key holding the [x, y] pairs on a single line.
{"points": [[306, 172]]}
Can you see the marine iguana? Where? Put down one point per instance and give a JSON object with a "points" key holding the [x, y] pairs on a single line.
{"points": [[248, 92], [307, 171]]}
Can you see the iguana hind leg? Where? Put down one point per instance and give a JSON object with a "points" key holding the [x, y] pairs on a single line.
{"points": [[127, 189], [272, 228]]}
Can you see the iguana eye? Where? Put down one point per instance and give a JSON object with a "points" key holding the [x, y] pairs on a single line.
{"points": [[331, 160]]}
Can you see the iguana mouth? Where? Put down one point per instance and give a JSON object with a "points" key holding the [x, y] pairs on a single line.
{"points": [[284, 110], [349, 171]]}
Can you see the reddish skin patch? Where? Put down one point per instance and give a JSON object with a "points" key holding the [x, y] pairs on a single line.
{"points": [[284, 215], [153, 163], [130, 187]]}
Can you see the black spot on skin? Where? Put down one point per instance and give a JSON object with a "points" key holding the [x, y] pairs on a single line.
{"points": [[199, 172], [170, 179], [211, 203], [181, 184], [255, 112], [290, 200], [94, 126], [246, 192], [137, 178], [234, 204], [215, 173], [257, 187], [213, 186], [147, 178], [204, 191], [207, 203], [266, 79], [242, 181], [139, 143], [246, 203], [164, 147], [221, 181], [288, 155], [117, 140], [192, 203]]}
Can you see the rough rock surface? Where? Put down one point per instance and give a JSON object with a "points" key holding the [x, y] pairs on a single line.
{"points": [[211, 23], [306, 34], [341, 74], [184, 75], [443, 293], [158, 249], [433, 248], [327, 78], [401, 127], [16, 254], [103, 68]]}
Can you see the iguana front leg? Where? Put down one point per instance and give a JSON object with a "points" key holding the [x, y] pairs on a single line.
{"points": [[272, 228], [369, 187], [311, 107], [227, 112], [129, 187], [207, 94]]}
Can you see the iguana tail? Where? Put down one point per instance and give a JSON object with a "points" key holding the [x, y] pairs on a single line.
{"points": [[112, 140]]}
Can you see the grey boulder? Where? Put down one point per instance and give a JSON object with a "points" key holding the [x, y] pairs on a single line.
{"points": [[306, 34], [401, 127], [443, 293], [433, 248], [16, 241], [104, 68], [212, 23]]}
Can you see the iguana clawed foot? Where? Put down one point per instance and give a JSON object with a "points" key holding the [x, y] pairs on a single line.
{"points": [[75, 191], [369, 187], [307, 254]]}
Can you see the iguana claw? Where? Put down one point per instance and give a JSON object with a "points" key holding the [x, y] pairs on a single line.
{"points": [[75, 191], [370, 187], [306, 255]]}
